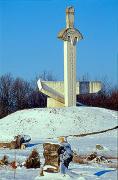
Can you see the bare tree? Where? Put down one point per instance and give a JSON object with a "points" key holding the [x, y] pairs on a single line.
{"points": [[6, 103], [16, 94], [21, 91], [84, 77], [46, 76]]}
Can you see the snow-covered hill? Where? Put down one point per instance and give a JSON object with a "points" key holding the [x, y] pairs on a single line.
{"points": [[41, 124], [54, 122]]}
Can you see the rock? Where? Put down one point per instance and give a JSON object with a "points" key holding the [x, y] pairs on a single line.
{"points": [[95, 158], [4, 160], [13, 145], [33, 160], [50, 169], [99, 147], [51, 154], [92, 156], [79, 159], [5, 144], [1, 163]]}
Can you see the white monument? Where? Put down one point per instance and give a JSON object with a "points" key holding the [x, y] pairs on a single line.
{"points": [[59, 93], [70, 36]]}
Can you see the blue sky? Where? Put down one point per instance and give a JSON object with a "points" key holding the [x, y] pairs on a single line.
{"points": [[29, 43]]}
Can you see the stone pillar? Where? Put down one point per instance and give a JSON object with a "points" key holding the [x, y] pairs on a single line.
{"points": [[70, 62], [70, 36], [69, 73], [70, 17]]}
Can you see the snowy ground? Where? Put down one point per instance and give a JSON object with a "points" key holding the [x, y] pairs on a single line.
{"points": [[42, 124], [54, 122]]}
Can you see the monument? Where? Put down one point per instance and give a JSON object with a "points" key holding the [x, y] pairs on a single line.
{"points": [[70, 36], [61, 94]]}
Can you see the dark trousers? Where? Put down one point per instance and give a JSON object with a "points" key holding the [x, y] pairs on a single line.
{"points": [[67, 161]]}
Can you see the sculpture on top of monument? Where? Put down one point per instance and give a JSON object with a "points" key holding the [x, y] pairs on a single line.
{"points": [[64, 93], [70, 33]]}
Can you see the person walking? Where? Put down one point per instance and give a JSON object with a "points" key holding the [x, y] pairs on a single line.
{"points": [[65, 154]]}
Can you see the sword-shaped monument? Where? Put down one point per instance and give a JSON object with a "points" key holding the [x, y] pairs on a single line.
{"points": [[70, 36], [64, 94]]}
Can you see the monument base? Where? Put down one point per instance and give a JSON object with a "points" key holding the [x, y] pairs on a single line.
{"points": [[53, 103]]}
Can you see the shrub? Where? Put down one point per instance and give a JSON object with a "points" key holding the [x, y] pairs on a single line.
{"points": [[33, 160]]}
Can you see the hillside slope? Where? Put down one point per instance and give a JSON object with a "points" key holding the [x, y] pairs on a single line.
{"points": [[54, 122]]}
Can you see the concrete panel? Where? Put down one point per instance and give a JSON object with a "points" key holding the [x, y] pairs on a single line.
{"points": [[56, 85], [94, 86], [91, 86], [49, 91], [53, 103], [53, 89], [84, 87]]}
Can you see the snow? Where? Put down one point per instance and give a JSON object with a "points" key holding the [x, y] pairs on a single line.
{"points": [[39, 84], [86, 145], [45, 125], [48, 166], [55, 122], [83, 172]]}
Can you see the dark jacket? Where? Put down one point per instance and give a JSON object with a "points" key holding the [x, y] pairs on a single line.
{"points": [[65, 153]]}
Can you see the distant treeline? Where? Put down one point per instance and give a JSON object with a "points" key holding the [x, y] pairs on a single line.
{"points": [[102, 99], [17, 94]]}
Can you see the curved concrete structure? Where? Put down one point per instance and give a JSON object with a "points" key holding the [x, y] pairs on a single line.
{"points": [[55, 90], [44, 88]]}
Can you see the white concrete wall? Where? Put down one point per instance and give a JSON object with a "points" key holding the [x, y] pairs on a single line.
{"points": [[51, 88], [94, 86]]}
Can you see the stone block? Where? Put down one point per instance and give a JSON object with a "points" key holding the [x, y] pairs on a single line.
{"points": [[51, 154]]}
